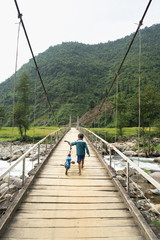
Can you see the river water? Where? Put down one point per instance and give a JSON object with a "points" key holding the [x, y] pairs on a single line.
{"points": [[144, 163], [17, 171]]}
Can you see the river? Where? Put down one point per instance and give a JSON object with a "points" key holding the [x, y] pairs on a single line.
{"points": [[17, 171], [144, 163]]}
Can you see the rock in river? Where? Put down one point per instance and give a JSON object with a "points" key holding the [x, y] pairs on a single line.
{"points": [[156, 176]]}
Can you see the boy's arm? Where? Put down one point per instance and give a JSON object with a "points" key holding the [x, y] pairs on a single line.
{"points": [[87, 150], [73, 143]]}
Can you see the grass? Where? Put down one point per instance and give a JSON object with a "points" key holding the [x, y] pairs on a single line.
{"points": [[156, 223], [127, 131], [38, 132], [157, 147], [109, 134]]}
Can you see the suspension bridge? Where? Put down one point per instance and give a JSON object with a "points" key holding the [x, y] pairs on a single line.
{"points": [[52, 205]]}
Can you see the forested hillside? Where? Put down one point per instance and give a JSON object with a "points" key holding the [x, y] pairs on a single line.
{"points": [[77, 76]]}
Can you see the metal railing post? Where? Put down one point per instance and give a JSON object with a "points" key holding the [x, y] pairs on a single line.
{"points": [[127, 175], [56, 138], [110, 157], [46, 143], [23, 171], [38, 153], [101, 147], [96, 142]]}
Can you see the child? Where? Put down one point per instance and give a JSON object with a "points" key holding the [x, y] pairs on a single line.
{"points": [[81, 146]]}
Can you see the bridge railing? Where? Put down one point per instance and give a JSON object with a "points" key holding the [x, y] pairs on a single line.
{"points": [[49, 141], [100, 143]]}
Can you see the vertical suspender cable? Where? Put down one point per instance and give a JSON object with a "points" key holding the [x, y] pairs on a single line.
{"points": [[139, 95], [116, 117], [35, 102], [105, 123], [14, 89]]}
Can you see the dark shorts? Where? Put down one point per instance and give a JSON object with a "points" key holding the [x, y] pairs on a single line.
{"points": [[80, 158]]}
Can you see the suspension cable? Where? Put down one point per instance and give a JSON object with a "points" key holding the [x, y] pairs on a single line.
{"points": [[47, 98], [118, 72]]}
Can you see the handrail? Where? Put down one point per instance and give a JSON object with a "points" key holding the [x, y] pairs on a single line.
{"points": [[27, 152], [129, 161]]}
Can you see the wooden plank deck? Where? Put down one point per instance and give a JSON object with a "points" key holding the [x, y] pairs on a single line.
{"points": [[72, 207]]}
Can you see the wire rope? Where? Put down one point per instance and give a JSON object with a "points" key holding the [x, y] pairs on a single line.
{"points": [[139, 94], [35, 102], [116, 112], [125, 56], [14, 87], [40, 77], [105, 123]]}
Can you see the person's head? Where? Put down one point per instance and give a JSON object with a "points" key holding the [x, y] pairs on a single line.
{"points": [[80, 136], [69, 155]]}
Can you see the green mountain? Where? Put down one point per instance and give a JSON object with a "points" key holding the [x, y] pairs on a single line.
{"points": [[77, 76]]}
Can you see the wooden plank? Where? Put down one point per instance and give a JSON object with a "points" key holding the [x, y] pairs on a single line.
{"points": [[64, 193], [75, 182], [86, 161], [47, 199], [70, 175], [73, 188], [74, 233], [73, 167], [59, 167], [53, 223], [59, 164], [88, 171], [24, 213], [61, 206], [108, 238], [73, 176]]}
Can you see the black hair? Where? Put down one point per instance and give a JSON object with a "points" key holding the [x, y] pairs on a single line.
{"points": [[80, 135]]}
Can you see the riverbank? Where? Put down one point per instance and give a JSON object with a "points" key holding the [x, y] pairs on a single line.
{"points": [[129, 148]]}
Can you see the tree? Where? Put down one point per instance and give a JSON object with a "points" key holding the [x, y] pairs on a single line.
{"points": [[22, 105], [2, 114], [150, 100], [149, 112], [122, 113]]}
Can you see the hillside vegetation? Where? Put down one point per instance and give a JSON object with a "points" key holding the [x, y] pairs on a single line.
{"points": [[77, 76]]}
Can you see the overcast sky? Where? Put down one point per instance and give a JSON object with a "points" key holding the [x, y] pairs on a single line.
{"points": [[51, 22]]}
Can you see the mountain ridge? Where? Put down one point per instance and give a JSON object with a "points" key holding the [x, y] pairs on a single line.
{"points": [[77, 75]]}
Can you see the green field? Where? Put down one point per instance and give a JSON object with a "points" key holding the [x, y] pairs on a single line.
{"points": [[127, 131], [40, 132], [37, 132]]}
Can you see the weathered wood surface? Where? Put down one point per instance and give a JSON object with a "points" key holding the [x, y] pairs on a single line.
{"points": [[72, 207]]}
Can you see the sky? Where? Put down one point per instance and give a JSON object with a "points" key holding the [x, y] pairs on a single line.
{"points": [[51, 22]]}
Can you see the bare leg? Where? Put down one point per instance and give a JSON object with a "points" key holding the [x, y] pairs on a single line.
{"points": [[82, 163], [79, 167]]}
